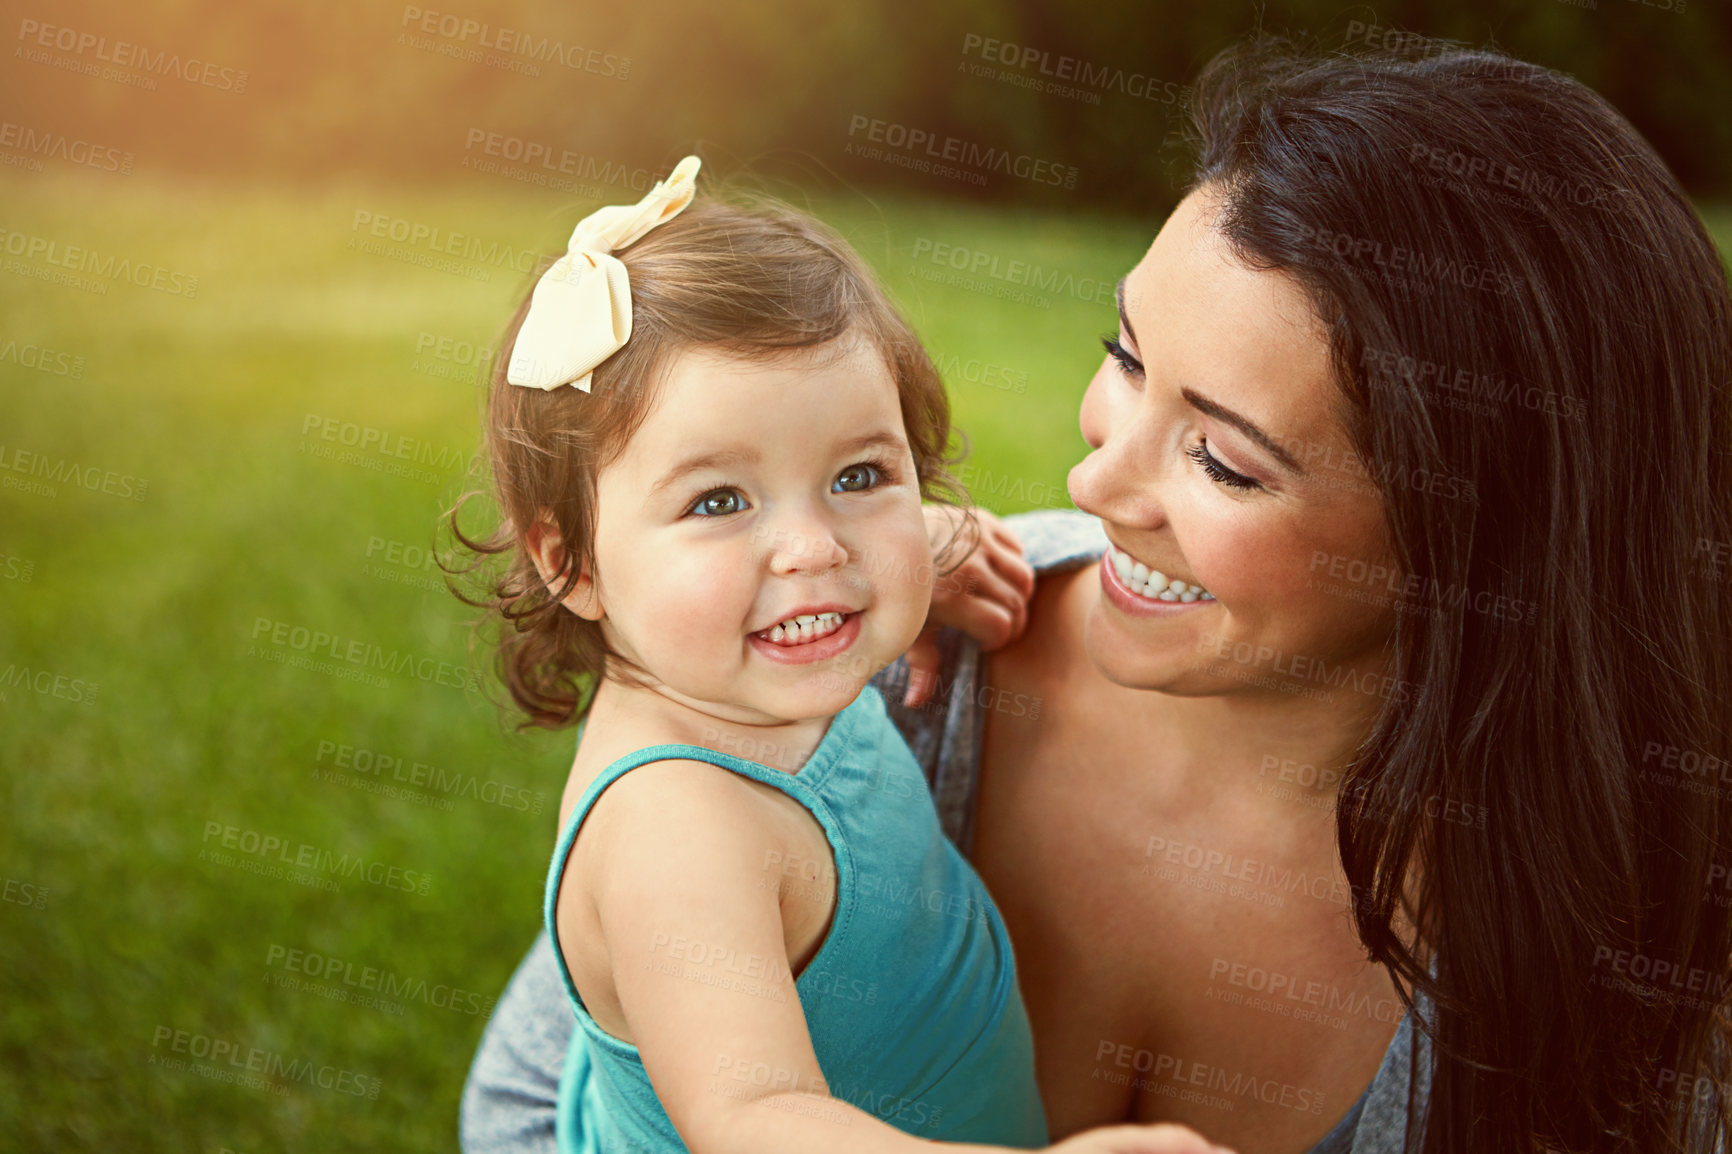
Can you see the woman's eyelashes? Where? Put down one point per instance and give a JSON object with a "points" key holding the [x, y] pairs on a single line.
{"points": [[860, 477], [1218, 472], [1199, 452], [1131, 366]]}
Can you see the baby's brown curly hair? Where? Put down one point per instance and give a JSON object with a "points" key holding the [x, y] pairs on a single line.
{"points": [[750, 282]]}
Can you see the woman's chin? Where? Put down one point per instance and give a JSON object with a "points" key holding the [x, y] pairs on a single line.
{"points": [[1165, 658]]}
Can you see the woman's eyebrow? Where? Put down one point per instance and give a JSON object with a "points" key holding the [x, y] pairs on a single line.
{"points": [[1245, 425], [1119, 295], [1220, 412]]}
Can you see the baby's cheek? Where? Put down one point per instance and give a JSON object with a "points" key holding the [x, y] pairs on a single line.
{"points": [[903, 586], [921, 562], [691, 604]]}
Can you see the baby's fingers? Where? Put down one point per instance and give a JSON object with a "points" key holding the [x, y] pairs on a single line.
{"points": [[923, 667], [984, 603], [1004, 553], [992, 613]]}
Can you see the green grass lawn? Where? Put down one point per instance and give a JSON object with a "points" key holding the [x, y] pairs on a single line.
{"points": [[196, 832], [202, 839]]}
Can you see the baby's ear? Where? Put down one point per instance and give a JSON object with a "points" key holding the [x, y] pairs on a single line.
{"points": [[544, 543]]}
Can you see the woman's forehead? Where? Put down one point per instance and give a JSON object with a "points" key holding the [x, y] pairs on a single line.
{"points": [[1249, 339]]}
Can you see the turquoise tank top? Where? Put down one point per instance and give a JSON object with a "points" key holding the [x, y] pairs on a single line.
{"points": [[911, 1000]]}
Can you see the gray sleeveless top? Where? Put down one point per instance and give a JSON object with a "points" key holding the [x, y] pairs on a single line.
{"points": [[510, 1097]]}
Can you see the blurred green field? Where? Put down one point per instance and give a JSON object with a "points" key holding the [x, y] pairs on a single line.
{"points": [[190, 819], [149, 717]]}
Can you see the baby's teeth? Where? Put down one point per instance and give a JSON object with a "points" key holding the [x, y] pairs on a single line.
{"points": [[805, 627], [1179, 587], [1187, 597], [1168, 595], [1122, 565], [1157, 582], [1139, 572], [1205, 596]]}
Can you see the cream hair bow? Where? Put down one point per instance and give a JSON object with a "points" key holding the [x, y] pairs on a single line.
{"points": [[580, 312]]}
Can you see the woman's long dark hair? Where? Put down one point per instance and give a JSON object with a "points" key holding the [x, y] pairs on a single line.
{"points": [[1520, 295]]}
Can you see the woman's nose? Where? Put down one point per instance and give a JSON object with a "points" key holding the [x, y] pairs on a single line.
{"points": [[1117, 481], [1092, 416]]}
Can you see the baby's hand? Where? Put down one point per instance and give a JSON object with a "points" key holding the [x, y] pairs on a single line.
{"points": [[1162, 1138], [986, 597]]}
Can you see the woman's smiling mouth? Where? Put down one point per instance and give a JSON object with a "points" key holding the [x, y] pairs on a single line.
{"points": [[1150, 583]]}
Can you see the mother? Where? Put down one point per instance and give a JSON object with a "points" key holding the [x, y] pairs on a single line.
{"points": [[1425, 382]]}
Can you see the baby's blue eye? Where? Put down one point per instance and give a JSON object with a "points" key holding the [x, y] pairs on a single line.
{"points": [[718, 503], [853, 479]]}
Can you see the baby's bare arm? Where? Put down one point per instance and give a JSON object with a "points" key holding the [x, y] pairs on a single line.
{"points": [[678, 852]]}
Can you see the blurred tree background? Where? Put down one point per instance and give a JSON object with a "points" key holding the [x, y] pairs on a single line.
{"points": [[396, 90], [241, 239]]}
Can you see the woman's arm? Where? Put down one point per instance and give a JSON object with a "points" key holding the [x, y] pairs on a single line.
{"points": [[511, 1096]]}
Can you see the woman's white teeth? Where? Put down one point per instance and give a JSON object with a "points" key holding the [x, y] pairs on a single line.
{"points": [[1152, 583], [804, 628]]}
